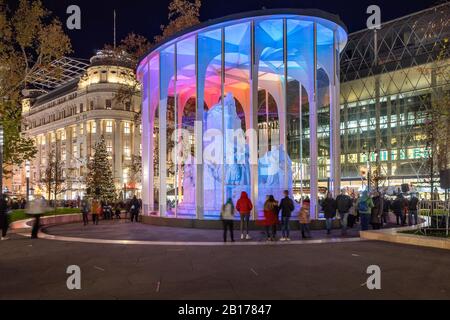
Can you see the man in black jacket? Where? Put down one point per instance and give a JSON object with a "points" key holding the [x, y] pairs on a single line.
{"points": [[286, 207], [343, 204], [398, 207], [413, 202], [135, 207], [329, 211]]}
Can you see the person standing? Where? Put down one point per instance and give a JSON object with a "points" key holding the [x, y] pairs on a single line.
{"points": [[271, 217], [4, 223], [304, 219], [398, 208], [352, 212], [286, 207], [108, 211], [135, 206], [117, 211], [412, 206], [365, 205], [85, 209], [377, 211], [227, 216], [386, 207], [96, 209], [244, 206], [329, 210], [343, 204]]}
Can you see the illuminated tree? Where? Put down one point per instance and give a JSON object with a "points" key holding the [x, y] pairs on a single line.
{"points": [[182, 14], [53, 179], [30, 40], [100, 181]]}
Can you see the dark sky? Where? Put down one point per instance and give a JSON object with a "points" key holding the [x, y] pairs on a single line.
{"points": [[145, 16]]}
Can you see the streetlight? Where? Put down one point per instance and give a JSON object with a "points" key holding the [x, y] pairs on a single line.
{"points": [[27, 175]]}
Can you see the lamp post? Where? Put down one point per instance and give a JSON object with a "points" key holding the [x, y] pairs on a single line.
{"points": [[368, 164], [27, 175]]}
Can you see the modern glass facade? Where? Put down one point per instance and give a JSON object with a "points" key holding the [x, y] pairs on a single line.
{"points": [[224, 105], [389, 80]]}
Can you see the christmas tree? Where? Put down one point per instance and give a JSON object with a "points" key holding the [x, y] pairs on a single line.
{"points": [[100, 182]]}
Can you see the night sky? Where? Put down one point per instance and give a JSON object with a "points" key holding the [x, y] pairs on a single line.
{"points": [[145, 16]]}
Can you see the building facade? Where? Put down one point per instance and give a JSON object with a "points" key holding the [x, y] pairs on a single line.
{"points": [[66, 123], [389, 80]]}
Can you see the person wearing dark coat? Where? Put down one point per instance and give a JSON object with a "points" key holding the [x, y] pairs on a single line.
{"points": [[398, 207], [377, 212], [412, 206], [343, 205], [286, 207], [329, 210], [386, 208], [135, 206], [3, 217]]}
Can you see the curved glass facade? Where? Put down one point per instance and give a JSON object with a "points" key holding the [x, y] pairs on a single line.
{"points": [[219, 104]]}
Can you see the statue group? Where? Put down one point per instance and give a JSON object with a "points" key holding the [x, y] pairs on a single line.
{"points": [[228, 169]]}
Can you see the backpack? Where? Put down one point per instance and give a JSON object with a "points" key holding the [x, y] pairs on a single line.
{"points": [[343, 203], [362, 206]]}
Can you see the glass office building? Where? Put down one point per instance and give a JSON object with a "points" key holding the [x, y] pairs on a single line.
{"points": [[389, 80], [246, 103]]}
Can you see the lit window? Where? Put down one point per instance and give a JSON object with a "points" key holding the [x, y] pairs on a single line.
{"points": [[126, 175], [109, 126], [126, 128], [81, 150], [43, 141], [109, 147], [75, 151], [63, 135], [74, 132], [126, 149], [81, 129], [63, 153], [93, 127]]}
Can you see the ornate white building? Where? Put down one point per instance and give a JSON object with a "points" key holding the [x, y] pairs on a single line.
{"points": [[70, 119]]}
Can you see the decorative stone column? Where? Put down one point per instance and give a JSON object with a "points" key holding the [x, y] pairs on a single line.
{"points": [[118, 140]]}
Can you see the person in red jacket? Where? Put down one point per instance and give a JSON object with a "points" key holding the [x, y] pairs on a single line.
{"points": [[244, 206]]}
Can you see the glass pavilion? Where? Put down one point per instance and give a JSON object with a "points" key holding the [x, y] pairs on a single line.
{"points": [[218, 102]]}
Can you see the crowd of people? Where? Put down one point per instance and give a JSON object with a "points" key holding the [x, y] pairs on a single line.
{"points": [[369, 209], [109, 211], [366, 209], [272, 210]]}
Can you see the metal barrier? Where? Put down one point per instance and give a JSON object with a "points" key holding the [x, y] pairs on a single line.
{"points": [[437, 213]]}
